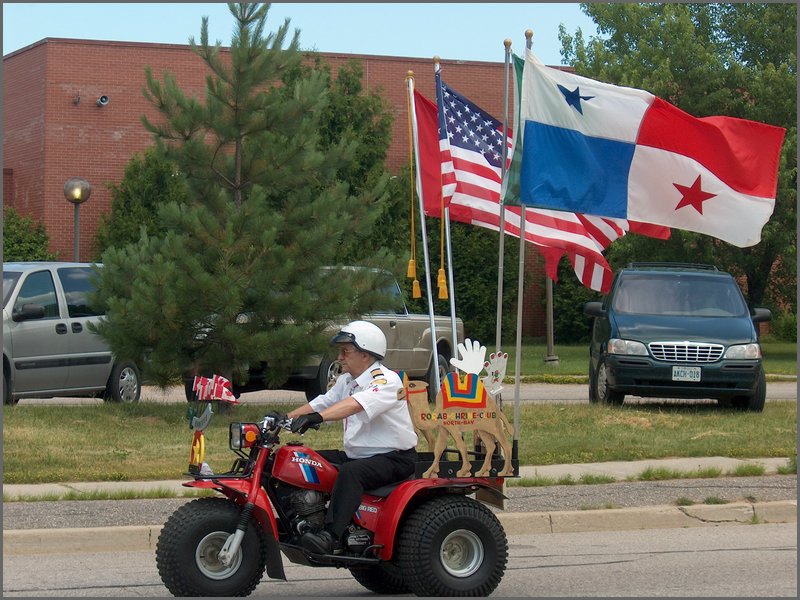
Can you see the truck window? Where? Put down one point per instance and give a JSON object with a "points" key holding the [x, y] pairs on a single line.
{"points": [[38, 288], [397, 305], [76, 282]]}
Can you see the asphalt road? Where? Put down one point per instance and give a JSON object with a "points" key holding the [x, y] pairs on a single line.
{"points": [[536, 393], [756, 561]]}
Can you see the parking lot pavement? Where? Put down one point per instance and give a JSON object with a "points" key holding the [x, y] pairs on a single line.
{"points": [[535, 393]]}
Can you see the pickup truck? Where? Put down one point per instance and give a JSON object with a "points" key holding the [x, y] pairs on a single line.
{"points": [[409, 349]]}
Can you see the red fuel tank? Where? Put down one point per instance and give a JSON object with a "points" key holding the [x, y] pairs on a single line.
{"points": [[303, 467]]}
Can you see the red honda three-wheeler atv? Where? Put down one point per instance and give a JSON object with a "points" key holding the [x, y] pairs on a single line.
{"points": [[425, 536]]}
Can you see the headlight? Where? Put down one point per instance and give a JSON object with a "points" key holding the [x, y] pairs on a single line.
{"points": [[751, 351], [616, 346], [243, 435]]}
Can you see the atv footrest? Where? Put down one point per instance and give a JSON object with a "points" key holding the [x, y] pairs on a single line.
{"points": [[300, 556]]}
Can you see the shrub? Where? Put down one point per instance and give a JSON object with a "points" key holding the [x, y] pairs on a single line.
{"points": [[24, 238], [784, 327]]}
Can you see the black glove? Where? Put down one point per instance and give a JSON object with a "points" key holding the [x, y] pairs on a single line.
{"points": [[303, 423]]}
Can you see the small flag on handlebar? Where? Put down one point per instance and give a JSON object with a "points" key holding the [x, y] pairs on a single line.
{"points": [[214, 388]]}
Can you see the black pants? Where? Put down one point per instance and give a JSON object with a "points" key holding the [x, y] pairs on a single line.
{"points": [[358, 475]]}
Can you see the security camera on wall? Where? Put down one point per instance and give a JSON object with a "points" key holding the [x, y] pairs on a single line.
{"points": [[102, 101]]}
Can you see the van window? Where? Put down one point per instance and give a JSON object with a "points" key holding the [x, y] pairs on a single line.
{"points": [[9, 283], [38, 288], [679, 297], [76, 282]]}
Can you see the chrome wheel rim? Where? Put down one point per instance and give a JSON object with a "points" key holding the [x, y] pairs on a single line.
{"points": [[602, 382], [461, 553], [128, 385], [206, 556]]}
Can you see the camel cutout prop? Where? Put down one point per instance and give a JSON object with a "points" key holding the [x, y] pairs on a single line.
{"points": [[464, 403]]}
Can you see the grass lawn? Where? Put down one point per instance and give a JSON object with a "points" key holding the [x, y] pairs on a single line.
{"points": [[149, 441]]}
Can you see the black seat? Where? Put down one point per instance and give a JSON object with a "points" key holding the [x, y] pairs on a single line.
{"points": [[385, 490]]}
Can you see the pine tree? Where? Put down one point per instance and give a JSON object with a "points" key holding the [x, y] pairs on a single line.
{"points": [[149, 181], [239, 273]]}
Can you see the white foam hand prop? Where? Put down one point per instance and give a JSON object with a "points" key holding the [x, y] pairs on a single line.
{"points": [[472, 355], [496, 371]]}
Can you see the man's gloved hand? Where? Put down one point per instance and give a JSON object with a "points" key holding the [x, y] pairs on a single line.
{"points": [[303, 423]]}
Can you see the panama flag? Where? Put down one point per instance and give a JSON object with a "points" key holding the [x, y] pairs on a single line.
{"points": [[606, 150]]}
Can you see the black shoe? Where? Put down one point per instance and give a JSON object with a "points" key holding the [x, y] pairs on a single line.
{"points": [[322, 542]]}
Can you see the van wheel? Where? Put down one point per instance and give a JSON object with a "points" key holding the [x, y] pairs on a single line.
{"points": [[602, 391], [755, 402], [8, 395], [124, 384], [444, 369], [328, 371], [592, 386]]}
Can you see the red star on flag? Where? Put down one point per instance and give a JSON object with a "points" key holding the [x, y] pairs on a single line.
{"points": [[693, 196]]}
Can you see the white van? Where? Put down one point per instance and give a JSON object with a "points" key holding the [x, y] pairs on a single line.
{"points": [[48, 348]]}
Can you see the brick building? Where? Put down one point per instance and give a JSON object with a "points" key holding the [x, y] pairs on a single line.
{"points": [[54, 129]]}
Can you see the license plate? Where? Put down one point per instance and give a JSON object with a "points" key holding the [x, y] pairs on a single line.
{"points": [[685, 373]]}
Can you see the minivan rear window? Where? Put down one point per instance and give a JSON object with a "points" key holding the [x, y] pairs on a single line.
{"points": [[679, 296], [77, 285]]}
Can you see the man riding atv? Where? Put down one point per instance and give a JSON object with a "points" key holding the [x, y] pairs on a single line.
{"points": [[379, 438]]}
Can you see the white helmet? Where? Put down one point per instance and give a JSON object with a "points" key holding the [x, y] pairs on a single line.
{"points": [[364, 335]]}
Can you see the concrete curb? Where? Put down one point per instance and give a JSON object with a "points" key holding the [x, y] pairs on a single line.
{"points": [[141, 538]]}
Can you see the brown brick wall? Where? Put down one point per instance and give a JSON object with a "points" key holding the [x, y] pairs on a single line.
{"points": [[49, 137], [23, 129]]}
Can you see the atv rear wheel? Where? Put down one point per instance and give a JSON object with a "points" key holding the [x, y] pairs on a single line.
{"points": [[380, 579], [452, 546], [187, 549]]}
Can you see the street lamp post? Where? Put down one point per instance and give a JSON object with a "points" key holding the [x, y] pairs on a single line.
{"points": [[77, 191]]}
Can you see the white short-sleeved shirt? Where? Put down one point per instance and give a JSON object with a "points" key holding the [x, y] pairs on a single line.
{"points": [[384, 424]]}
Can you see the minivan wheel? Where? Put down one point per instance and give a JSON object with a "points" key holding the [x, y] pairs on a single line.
{"points": [[124, 384], [754, 402], [8, 394], [602, 391], [592, 386]]}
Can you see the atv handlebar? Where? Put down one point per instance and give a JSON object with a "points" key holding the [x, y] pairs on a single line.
{"points": [[276, 421]]}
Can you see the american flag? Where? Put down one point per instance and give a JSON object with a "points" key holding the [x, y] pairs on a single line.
{"points": [[460, 161]]}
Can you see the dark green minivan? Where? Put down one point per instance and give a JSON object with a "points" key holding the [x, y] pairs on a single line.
{"points": [[674, 330]]}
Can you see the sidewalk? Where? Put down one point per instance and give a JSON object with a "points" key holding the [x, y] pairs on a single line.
{"points": [[143, 537], [620, 471]]}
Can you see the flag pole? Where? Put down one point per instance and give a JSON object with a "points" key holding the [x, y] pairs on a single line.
{"points": [[501, 250], [412, 108], [449, 249], [520, 288]]}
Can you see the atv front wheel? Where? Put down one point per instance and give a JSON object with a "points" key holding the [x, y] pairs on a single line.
{"points": [[452, 546], [189, 544]]}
